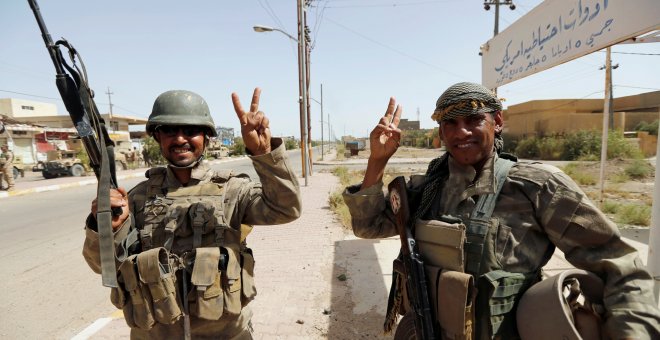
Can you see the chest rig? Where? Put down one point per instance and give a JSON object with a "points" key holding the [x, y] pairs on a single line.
{"points": [[192, 263], [187, 218]]}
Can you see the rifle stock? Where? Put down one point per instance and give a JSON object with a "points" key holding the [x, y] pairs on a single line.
{"points": [[78, 99], [416, 283]]}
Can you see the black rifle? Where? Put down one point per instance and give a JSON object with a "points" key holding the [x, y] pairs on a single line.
{"points": [[78, 99], [413, 265]]}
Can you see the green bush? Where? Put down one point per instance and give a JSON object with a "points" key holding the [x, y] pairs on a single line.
{"points": [[341, 150], [619, 147], [290, 143], [528, 148], [578, 176], [636, 214], [510, 143], [610, 207], [651, 128], [153, 151], [342, 173], [239, 146], [639, 169], [581, 144], [551, 148]]}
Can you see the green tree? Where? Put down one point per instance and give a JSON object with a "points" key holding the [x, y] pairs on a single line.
{"points": [[239, 146]]}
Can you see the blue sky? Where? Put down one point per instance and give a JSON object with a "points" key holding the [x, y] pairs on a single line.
{"points": [[364, 52]]}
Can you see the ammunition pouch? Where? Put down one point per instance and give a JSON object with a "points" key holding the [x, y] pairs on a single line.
{"points": [[148, 294], [452, 292], [216, 283], [500, 292]]}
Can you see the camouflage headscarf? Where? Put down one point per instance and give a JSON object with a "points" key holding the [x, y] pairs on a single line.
{"points": [[465, 99]]}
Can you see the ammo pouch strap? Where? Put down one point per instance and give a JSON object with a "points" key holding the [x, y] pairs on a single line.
{"points": [[479, 223]]}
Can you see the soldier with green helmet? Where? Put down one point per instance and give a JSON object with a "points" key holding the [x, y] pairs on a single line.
{"points": [[486, 224], [185, 269]]}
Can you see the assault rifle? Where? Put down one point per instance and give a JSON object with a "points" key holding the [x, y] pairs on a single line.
{"points": [[413, 265], [74, 89]]}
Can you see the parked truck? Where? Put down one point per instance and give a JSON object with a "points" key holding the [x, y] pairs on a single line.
{"points": [[216, 150], [61, 163]]}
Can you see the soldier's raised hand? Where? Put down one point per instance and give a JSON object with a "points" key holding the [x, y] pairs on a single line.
{"points": [[384, 141], [254, 125], [384, 138]]}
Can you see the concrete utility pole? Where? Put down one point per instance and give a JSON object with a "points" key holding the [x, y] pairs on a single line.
{"points": [[302, 72], [322, 126], [653, 259], [308, 51], [110, 100], [497, 4], [608, 118]]}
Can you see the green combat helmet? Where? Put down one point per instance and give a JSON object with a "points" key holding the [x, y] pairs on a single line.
{"points": [[180, 107]]}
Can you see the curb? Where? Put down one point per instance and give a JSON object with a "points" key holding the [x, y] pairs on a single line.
{"points": [[62, 186], [92, 180]]}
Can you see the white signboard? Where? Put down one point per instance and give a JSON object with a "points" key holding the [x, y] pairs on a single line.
{"points": [[557, 31]]}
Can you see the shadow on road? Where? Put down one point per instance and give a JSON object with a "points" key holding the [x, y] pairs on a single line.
{"points": [[359, 290]]}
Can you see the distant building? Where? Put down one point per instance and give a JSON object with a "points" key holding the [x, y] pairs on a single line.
{"points": [[33, 128], [559, 116], [405, 124], [226, 135]]}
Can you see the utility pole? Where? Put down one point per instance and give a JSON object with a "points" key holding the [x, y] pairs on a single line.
{"points": [[110, 100], [322, 126], [307, 42], [302, 76], [497, 4], [608, 118]]}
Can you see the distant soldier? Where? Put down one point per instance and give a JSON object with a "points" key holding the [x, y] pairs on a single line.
{"points": [[145, 156], [6, 168]]}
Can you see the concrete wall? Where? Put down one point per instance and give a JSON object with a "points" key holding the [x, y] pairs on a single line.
{"points": [[559, 116]]}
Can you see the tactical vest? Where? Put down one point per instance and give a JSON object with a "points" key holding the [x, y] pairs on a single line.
{"points": [[473, 297], [187, 246]]}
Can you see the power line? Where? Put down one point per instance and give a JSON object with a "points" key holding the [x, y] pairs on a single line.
{"points": [[31, 95], [271, 13], [634, 53], [395, 50], [401, 4], [637, 87]]}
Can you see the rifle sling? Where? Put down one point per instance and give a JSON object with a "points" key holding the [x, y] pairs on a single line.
{"points": [[104, 220]]}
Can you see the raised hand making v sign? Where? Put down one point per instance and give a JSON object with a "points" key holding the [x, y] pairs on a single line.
{"points": [[384, 141], [254, 125]]}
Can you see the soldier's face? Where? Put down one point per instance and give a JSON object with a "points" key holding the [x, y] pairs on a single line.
{"points": [[181, 145], [470, 140]]}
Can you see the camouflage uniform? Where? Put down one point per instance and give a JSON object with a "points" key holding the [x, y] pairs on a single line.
{"points": [[7, 168], [246, 202], [539, 208]]}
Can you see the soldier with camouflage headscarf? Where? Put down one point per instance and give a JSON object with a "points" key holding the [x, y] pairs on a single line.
{"points": [[536, 208], [185, 269]]}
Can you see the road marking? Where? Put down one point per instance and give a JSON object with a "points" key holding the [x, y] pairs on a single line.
{"points": [[92, 329]]}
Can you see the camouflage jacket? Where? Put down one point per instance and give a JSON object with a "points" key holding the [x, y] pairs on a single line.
{"points": [[273, 200], [539, 208]]}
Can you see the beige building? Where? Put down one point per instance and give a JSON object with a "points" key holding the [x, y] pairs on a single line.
{"points": [[560, 116], [31, 127]]}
